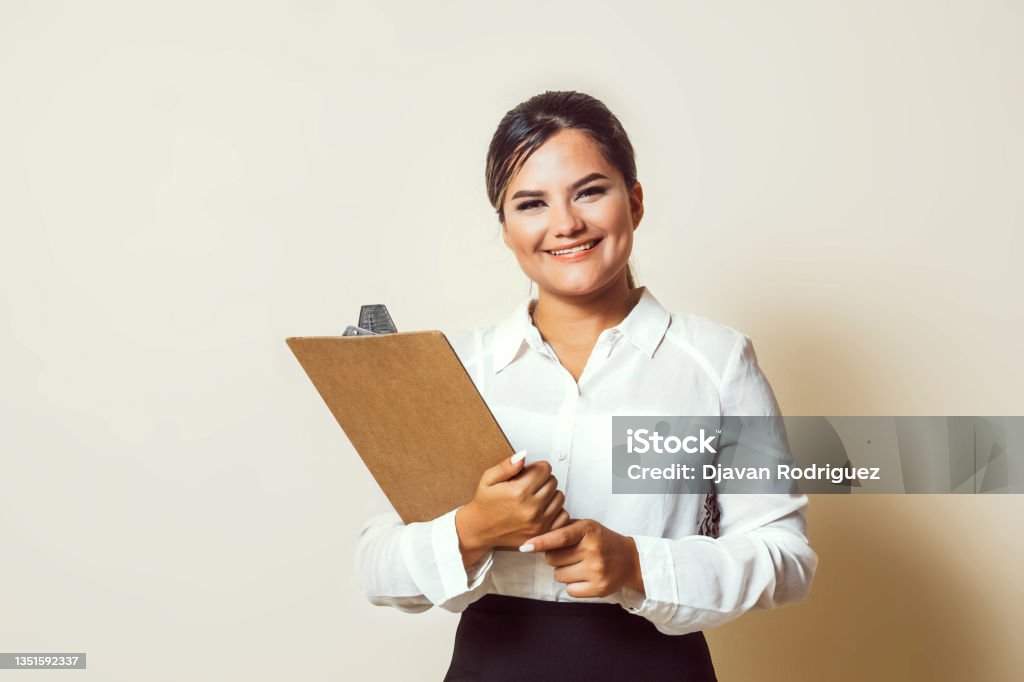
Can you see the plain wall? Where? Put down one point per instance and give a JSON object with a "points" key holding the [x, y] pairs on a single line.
{"points": [[186, 184]]}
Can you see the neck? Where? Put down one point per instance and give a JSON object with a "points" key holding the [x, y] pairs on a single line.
{"points": [[579, 320]]}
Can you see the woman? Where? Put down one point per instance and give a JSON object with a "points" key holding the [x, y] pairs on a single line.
{"points": [[603, 587]]}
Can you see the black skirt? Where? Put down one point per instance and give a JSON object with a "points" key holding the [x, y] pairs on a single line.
{"points": [[503, 638]]}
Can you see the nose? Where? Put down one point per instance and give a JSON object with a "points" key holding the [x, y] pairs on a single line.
{"points": [[566, 221]]}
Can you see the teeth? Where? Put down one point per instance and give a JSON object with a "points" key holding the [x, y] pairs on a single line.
{"points": [[581, 247]]}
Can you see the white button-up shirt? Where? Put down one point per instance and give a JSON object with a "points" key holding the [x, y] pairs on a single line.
{"points": [[652, 363]]}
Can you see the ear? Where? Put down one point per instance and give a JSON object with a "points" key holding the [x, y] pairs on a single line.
{"points": [[504, 235], [636, 204]]}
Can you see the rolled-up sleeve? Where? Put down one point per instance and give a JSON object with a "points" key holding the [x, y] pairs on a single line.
{"points": [[415, 566], [761, 558]]}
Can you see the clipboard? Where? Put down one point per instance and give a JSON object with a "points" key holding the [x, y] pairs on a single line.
{"points": [[411, 411]]}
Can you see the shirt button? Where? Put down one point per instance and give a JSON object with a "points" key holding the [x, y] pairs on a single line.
{"points": [[561, 456]]}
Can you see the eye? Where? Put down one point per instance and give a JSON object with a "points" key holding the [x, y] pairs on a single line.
{"points": [[527, 205], [591, 191]]}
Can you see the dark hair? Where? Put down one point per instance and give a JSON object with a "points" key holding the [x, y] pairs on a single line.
{"points": [[526, 127]]}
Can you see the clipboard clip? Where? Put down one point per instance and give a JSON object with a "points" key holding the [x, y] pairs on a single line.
{"points": [[373, 319]]}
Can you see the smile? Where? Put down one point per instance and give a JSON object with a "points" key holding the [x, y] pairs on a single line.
{"points": [[579, 248]]}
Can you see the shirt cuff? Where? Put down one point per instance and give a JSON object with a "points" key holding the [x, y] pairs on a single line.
{"points": [[660, 599], [431, 552]]}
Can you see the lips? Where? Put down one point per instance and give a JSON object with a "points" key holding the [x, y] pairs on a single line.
{"points": [[574, 248]]}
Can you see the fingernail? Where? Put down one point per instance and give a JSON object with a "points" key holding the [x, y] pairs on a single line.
{"points": [[528, 547], [518, 456]]}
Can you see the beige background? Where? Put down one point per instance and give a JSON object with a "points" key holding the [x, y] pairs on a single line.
{"points": [[186, 184]]}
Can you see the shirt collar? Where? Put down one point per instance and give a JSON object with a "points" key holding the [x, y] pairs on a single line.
{"points": [[644, 326]]}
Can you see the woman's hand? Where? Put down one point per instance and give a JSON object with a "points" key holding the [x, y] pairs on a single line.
{"points": [[591, 559], [512, 503]]}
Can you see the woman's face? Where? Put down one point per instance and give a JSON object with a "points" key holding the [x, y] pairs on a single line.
{"points": [[567, 194]]}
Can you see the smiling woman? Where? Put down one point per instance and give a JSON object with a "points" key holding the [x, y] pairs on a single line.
{"points": [[571, 167], [573, 216], [603, 587]]}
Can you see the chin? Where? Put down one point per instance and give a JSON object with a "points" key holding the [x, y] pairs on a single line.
{"points": [[579, 283], [574, 288]]}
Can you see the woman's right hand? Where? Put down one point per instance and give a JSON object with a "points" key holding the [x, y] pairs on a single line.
{"points": [[512, 504]]}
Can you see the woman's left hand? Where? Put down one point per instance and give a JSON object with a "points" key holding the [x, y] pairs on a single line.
{"points": [[591, 559]]}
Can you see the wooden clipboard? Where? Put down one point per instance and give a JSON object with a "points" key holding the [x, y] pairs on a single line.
{"points": [[411, 411]]}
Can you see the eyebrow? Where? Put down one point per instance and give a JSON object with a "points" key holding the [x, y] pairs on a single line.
{"points": [[576, 185]]}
